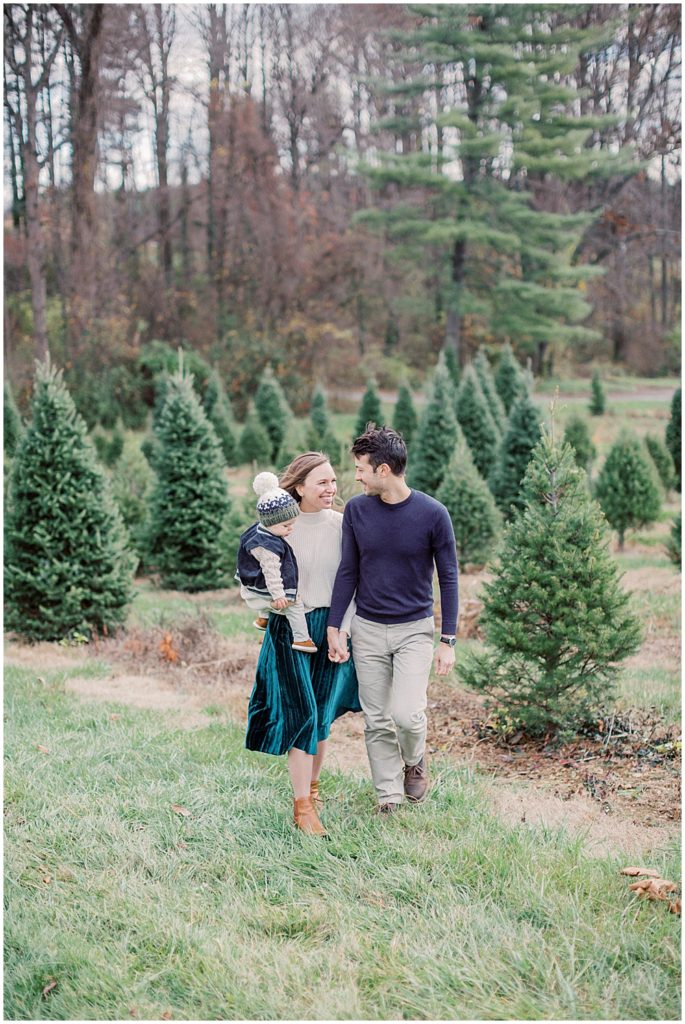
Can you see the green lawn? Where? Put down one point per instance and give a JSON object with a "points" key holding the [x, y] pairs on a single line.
{"points": [[442, 912]]}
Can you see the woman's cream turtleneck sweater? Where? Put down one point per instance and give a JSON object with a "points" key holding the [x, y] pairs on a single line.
{"points": [[317, 542]]}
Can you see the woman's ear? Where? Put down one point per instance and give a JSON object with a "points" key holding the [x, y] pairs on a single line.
{"points": [[300, 489]]}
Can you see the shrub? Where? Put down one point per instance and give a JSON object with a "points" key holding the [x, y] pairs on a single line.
{"points": [[577, 434], [628, 486], [68, 568], [555, 617]]}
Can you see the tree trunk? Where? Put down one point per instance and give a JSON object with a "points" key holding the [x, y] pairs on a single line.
{"points": [[453, 322], [35, 255]]}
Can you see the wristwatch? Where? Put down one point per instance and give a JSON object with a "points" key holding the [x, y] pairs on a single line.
{"points": [[449, 640]]}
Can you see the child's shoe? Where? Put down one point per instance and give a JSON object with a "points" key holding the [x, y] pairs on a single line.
{"points": [[261, 622], [306, 646]]}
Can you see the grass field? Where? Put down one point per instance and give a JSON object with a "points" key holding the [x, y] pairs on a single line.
{"points": [[152, 871]]}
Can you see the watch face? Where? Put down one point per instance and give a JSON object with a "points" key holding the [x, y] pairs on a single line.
{"points": [[450, 641]]}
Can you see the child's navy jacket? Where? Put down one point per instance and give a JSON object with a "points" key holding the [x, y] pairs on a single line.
{"points": [[249, 571]]}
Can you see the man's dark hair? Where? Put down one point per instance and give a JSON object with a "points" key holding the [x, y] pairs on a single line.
{"points": [[382, 445]]}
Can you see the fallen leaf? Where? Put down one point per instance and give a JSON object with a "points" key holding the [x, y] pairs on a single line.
{"points": [[639, 871], [43, 750], [674, 907], [41, 680], [114, 718], [180, 810], [180, 845], [166, 1015], [49, 987], [653, 888], [167, 650], [132, 1011], [46, 879]]}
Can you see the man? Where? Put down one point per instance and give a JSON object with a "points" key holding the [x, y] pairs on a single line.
{"points": [[392, 539]]}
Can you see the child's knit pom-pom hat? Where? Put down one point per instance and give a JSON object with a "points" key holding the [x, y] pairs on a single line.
{"points": [[274, 505]]}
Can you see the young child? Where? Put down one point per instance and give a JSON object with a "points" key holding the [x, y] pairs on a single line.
{"points": [[267, 567]]}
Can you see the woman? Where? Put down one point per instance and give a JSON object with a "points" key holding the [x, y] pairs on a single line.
{"points": [[296, 697]]}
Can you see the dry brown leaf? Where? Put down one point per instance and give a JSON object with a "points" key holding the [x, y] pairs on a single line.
{"points": [[653, 888], [639, 871], [46, 879], [132, 1011], [167, 650], [180, 810], [674, 907], [180, 845], [114, 718], [49, 987], [43, 750], [166, 1015]]}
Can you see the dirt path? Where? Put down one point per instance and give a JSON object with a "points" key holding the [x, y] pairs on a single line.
{"points": [[618, 801]]}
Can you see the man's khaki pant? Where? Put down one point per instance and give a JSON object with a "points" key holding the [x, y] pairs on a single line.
{"points": [[393, 663]]}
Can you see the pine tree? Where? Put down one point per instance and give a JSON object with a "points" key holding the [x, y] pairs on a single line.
{"points": [[369, 410], [218, 409], [437, 434], [476, 422], [486, 380], [189, 507], [255, 445], [273, 411], [663, 463], [509, 378], [597, 397], [68, 568], [673, 431], [628, 487], [405, 419], [476, 519], [12, 425], [674, 544], [320, 436], [555, 618], [452, 365], [577, 434], [513, 455], [132, 485]]}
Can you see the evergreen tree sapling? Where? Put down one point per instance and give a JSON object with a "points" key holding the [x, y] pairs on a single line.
{"points": [[273, 411], [452, 364], [577, 434], [476, 421], [218, 409], [189, 507], [68, 567], [405, 419], [508, 378], [320, 436], [673, 431], [475, 517], [514, 453], [674, 544], [555, 617], [132, 486], [437, 434], [663, 463], [369, 410], [255, 444], [487, 383], [12, 425], [628, 487], [597, 397]]}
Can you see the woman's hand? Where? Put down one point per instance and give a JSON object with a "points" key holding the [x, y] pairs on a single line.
{"points": [[337, 645]]}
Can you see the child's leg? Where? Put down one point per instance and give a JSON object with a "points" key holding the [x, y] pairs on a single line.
{"points": [[298, 623]]}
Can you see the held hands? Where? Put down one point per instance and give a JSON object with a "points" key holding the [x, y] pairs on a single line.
{"points": [[443, 661], [280, 603], [337, 645]]}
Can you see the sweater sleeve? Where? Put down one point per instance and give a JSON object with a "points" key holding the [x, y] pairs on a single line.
{"points": [[347, 574], [271, 567], [445, 555]]}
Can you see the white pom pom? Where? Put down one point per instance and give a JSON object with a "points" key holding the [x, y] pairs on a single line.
{"points": [[264, 482]]}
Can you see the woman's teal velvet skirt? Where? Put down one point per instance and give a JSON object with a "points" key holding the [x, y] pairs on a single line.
{"points": [[296, 697]]}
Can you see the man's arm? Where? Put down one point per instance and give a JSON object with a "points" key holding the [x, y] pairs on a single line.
{"points": [[343, 591], [445, 556]]}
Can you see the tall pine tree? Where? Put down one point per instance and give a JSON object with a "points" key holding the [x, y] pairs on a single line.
{"points": [[475, 517], [475, 420], [369, 410], [436, 436], [68, 567], [555, 618], [405, 419], [513, 455], [190, 506], [273, 411], [628, 487]]}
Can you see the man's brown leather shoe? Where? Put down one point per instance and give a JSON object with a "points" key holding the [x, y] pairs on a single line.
{"points": [[306, 817], [416, 781]]}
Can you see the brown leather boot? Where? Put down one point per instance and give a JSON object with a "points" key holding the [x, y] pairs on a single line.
{"points": [[314, 793], [306, 817]]}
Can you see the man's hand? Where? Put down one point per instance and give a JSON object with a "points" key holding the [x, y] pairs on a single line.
{"points": [[280, 603], [337, 645], [444, 659]]}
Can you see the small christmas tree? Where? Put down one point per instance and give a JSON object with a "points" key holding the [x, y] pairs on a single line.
{"points": [[450, 357], [513, 455], [673, 431], [487, 383], [369, 410], [509, 378], [577, 434], [255, 445], [674, 543], [132, 486], [405, 419], [68, 568], [12, 425], [189, 507], [555, 618], [273, 411], [320, 436], [628, 487], [597, 398], [476, 519], [436, 436], [218, 409], [663, 463], [475, 420]]}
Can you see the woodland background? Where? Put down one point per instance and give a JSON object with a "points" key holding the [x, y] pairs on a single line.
{"points": [[198, 175]]}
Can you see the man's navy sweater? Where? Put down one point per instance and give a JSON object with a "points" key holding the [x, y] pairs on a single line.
{"points": [[388, 553]]}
